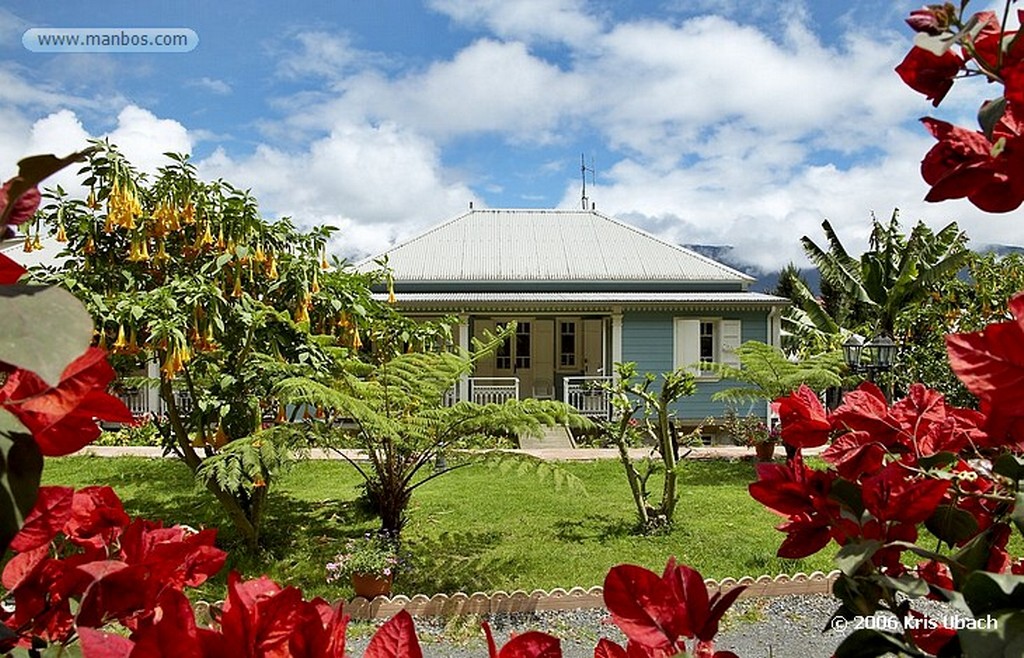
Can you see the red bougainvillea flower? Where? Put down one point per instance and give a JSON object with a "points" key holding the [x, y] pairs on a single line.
{"points": [[657, 613], [804, 421], [865, 409], [965, 163], [533, 644], [24, 206], [10, 271], [895, 494], [990, 363], [930, 74], [62, 418], [801, 495], [933, 19]]}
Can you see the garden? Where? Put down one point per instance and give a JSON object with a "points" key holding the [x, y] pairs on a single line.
{"points": [[266, 350]]}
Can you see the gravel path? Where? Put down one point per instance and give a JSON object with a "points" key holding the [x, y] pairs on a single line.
{"points": [[780, 627]]}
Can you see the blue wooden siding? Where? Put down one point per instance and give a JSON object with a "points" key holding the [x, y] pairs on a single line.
{"points": [[647, 340]]}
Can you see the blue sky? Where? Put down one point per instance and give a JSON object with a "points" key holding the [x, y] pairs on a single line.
{"points": [[706, 121]]}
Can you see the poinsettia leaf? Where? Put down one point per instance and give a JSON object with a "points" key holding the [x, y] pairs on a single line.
{"points": [[19, 479], [10, 271], [532, 644], [990, 363], [98, 644], [45, 353], [607, 649], [640, 604], [951, 524], [48, 516], [719, 605], [395, 639]]}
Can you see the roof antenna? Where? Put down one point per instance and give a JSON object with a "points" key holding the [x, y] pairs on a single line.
{"points": [[584, 199]]}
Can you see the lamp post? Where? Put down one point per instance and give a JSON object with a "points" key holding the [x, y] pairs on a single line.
{"points": [[869, 358]]}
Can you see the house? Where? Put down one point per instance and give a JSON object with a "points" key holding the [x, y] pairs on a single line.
{"points": [[586, 291]]}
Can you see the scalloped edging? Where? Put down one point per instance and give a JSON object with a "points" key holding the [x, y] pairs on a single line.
{"points": [[577, 598]]}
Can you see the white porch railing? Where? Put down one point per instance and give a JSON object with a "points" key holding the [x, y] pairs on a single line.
{"points": [[496, 390], [139, 403], [485, 390], [587, 396]]}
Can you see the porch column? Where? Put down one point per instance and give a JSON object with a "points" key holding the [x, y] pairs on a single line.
{"points": [[152, 393], [616, 340], [463, 329]]}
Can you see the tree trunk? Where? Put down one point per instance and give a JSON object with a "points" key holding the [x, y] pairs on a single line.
{"points": [[668, 456], [236, 513]]}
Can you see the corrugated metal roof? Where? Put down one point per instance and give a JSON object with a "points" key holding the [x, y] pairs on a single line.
{"points": [[546, 245], [606, 298]]}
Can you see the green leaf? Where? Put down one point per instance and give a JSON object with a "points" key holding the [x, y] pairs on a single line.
{"points": [[21, 466], [938, 460], [850, 557], [1009, 465], [951, 524], [867, 643], [996, 636], [987, 592], [46, 353], [990, 113], [1017, 516]]}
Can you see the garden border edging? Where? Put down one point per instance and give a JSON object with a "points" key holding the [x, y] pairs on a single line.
{"points": [[576, 598]]}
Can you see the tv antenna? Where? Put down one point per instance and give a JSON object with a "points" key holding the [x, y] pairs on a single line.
{"points": [[584, 199]]}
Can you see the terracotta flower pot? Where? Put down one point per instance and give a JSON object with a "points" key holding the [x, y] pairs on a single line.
{"points": [[765, 451], [369, 585]]}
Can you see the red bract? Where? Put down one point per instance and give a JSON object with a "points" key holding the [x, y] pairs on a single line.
{"points": [[800, 494], [528, 645], [395, 639], [24, 206], [965, 163], [895, 494], [855, 454], [865, 409], [804, 421], [658, 613], [10, 271], [990, 363], [930, 74], [62, 418]]}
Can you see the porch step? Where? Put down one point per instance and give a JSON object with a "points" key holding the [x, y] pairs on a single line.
{"points": [[553, 437]]}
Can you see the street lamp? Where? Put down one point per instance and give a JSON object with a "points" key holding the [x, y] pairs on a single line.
{"points": [[869, 358]]}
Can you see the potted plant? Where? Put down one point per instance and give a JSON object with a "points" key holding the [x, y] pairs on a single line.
{"points": [[753, 431], [370, 562]]}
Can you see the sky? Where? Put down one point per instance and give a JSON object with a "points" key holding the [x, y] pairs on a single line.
{"points": [[714, 122]]}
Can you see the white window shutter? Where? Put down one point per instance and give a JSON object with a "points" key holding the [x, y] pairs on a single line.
{"points": [[730, 340], [686, 347]]}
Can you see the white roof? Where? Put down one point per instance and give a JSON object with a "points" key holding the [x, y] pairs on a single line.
{"points": [[625, 298], [546, 246]]}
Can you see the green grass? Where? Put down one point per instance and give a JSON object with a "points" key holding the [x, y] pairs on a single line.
{"points": [[476, 529]]}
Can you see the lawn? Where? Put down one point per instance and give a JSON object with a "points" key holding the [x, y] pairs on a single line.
{"points": [[476, 529]]}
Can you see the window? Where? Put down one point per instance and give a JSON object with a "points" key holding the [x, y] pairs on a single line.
{"points": [[515, 350], [698, 341], [706, 345], [523, 345], [567, 344]]}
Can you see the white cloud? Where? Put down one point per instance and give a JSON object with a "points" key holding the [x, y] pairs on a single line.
{"points": [[378, 183], [212, 85], [565, 21], [144, 138], [488, 86]]}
